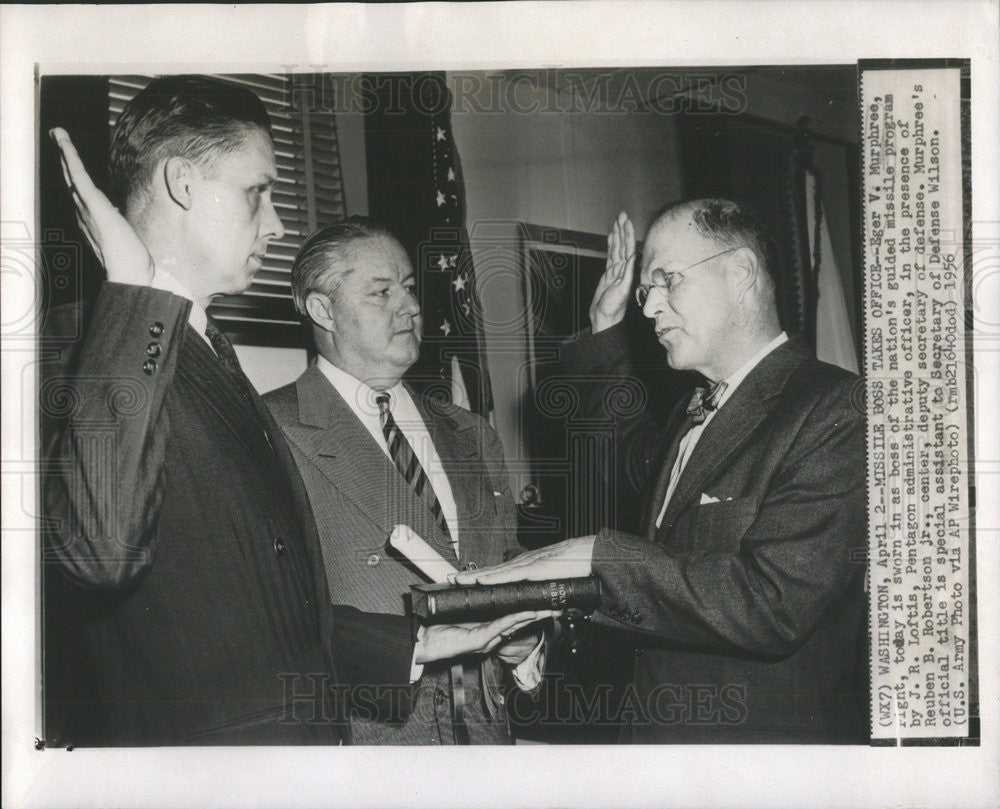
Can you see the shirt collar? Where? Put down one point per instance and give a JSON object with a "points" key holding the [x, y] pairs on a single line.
{"points": [[359, 396], [168, 283], [734, 379]]}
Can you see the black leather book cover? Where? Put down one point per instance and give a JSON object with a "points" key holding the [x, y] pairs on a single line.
{"points": [[447, 603]]}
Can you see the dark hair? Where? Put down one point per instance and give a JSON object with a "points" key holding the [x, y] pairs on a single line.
{"points": [[730, 224], [180, 116], [311, 268]]}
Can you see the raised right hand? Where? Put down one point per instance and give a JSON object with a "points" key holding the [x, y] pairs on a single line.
{"points": [[615, 287], [113, 239], [444, 641]]}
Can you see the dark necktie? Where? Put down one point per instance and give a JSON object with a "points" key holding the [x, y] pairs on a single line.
{"points": [[409, 467], [704, 401], [227, 356], [223, 349]]}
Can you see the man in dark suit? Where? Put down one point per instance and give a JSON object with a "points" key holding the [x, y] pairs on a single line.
{"points": [[180, 549], [744, 592], [346, 419]]}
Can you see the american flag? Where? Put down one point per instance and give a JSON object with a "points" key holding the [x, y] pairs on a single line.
{"points": [[416, 189]]}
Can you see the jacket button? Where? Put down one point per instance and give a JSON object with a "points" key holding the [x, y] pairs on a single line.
{"points": [[148, 367], [471, 566], [279, 546], [636, 618], [156, 329], [153, 350], [372, 560]]}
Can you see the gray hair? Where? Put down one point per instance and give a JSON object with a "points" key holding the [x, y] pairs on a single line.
{"points": [[316, 269]]}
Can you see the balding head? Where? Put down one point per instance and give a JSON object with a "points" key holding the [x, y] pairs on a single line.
{"points": [[708, 265], [728, 224]]}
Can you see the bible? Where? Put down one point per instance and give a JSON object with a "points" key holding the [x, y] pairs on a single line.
{"points": [[444, 603]]}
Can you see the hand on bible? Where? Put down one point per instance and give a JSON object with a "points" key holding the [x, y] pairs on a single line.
{"points": [[444, 641], [517, 649], [570, 559], [615, 286], [116, 244]]}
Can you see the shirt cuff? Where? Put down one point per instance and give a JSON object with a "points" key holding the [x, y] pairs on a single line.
{"points": [[416, 669], [528, 673]]}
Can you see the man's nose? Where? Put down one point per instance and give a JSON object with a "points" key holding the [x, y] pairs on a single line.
{"points": [[655, 303], [271, 227], [409, 304]]}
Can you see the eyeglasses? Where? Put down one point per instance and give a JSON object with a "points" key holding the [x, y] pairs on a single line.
{"points": [[668, 280]]}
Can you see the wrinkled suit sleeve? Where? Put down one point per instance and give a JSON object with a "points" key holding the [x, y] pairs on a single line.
{"points": [[794, 562], [107, 433], [598, 368]]}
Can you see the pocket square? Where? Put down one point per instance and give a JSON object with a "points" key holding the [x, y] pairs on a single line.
{"points": [[706, 499]]}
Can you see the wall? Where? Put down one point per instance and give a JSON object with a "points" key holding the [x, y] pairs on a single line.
{"points": [[572, 170]]}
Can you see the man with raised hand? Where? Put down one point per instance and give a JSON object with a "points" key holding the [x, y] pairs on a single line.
{"points": [[173, 505], [743, 593]]}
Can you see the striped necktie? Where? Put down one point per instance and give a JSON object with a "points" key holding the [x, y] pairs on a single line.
{"points": [[409, 467]]}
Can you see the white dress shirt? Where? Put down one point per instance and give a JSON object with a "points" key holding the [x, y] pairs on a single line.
{"points": [[690, 440]]}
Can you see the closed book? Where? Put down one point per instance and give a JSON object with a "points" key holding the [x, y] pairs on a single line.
{"points": [[447, 603]]}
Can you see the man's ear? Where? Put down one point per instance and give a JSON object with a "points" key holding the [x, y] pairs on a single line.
{"points": [[178, 175], [320, 310], [745, 269]]}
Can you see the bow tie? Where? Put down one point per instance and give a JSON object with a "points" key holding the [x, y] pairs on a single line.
{"points": [[705, 400]]}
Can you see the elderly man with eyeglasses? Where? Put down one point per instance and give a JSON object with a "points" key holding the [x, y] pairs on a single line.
{"points": [[743, 594]]}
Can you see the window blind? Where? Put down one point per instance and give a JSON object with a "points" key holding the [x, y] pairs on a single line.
{"points": [[309, 194]]}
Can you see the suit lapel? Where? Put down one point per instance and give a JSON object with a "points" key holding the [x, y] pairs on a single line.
{"points": [[223, 394], [733, 425], [330, 435], [676, 428], [337, 443]]}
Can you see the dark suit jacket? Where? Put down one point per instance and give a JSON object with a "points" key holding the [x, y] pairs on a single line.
{"points": [[747, 604], [197, 585], [358, 495]]}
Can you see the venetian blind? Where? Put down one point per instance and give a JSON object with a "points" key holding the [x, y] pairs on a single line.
{"points": [[309, 193]]}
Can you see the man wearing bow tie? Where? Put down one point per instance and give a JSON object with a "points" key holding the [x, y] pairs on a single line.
{"points": [[373, 453], [743, 592]]}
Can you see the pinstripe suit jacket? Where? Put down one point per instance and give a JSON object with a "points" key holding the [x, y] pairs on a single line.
{"points": [[197, 584], [358, 495]]}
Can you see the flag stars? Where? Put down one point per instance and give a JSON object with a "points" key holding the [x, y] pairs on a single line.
{"points": [[451, 174], [440, 134], [467, 309], [443, 262], [459, 283], [446, 327], [440, 199]]}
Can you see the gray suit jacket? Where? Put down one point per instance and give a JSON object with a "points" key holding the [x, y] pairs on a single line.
{"points": [[747, 602], [358, 496]]}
